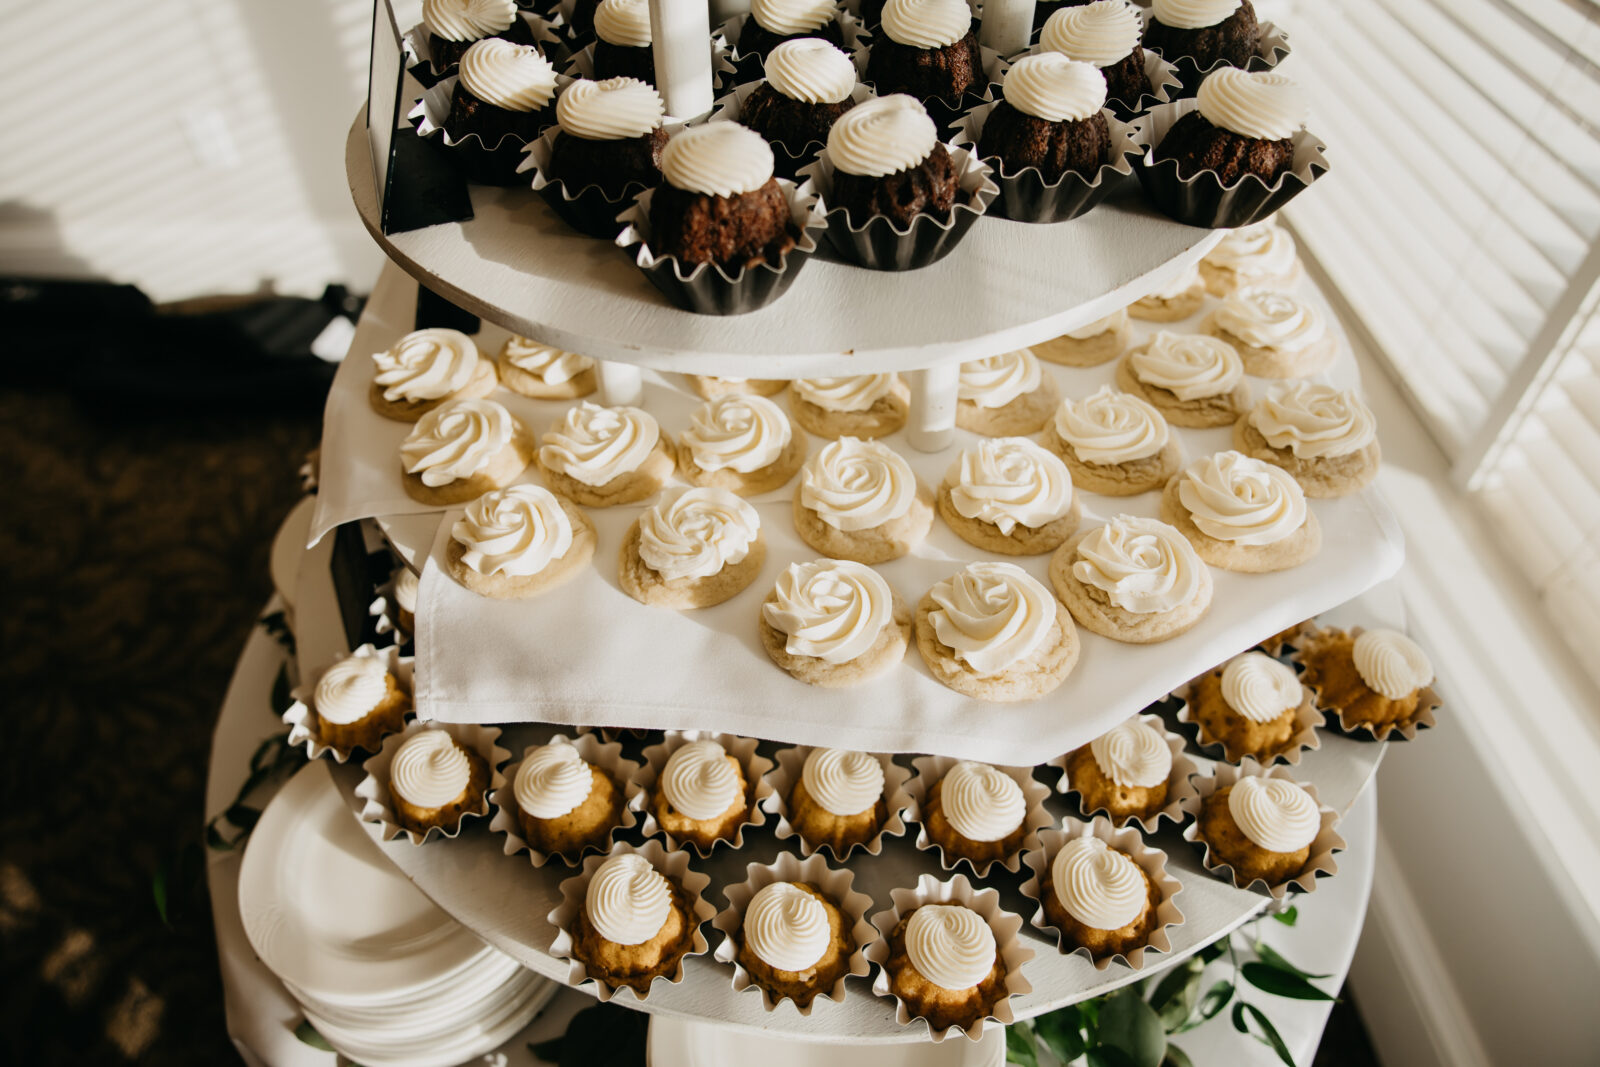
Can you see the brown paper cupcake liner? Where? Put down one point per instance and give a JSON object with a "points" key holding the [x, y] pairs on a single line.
{"points": [[1178, 784], [1272, 48], [1323, 847], [1152, 861], [675, 865], [1202, 199], [607, 757], [1027, 197], [545, 34], [1307, 717], [1428, 702], [298, 714], [1282, 643], [374, 788], [931, 769], [1005, 926], [479, 161], [834, 883], [751, 67], [782, 779], [786, 164], [742, 749], [587, 208]]}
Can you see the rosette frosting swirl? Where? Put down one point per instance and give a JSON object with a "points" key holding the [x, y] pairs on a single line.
{"points": [[593, 445], [1102, 33], [628, 900], [926, 23], [1235, 498], [623, 22], [426, 364], [857, 485], [842, 781], [1274, 813], [882, 135], [1259, 687], [789, 17], [737, 432], [717, 159], [467, 20], [456, 440], [828, 609], [1313, 420], [697, 533], [1192, 14], [1109, 427], [1010, 482], [515, 531], [983, 803], [1263, 105], [609, 110], [1269, 318], [950, 945], [1133, 754], [552, 781], [812, 70], [1141, 565], [405, 589], [1391, 663], [699, 781], [1098, 885], [429, 770], [857, 392], [549, 364], [1190, 366], [1055, 88], [516, 77], [786, 927], [1264, 249], [992, 615], [995, 381], [350, 689]]}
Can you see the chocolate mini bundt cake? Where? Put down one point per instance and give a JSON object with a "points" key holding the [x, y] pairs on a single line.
{"points": [[926, 48], [1242, 124], [718, 202], [887, 160], [772, 22], [610, 135], [1176, 31], [1105, 33], [1050, 118], [808, 86]]}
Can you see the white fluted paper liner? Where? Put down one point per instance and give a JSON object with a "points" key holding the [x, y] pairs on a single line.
{"points": [[1272, 48], [835, 884], [1178, 784], [742, 749], [931, 769], [1026, 196], [607, 757], [374, 788], [586, 208], [786, 773], [1003, 924], [1307, 718], [1279, 646], [1428, 700], [544, 35], [675, 866], [385, 609], [1152, 861], [1323, 846], [857, 39], [298, 713], [432, 111]]}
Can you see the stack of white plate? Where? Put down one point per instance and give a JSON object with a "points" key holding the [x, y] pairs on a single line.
{"points": [[386, 976]]}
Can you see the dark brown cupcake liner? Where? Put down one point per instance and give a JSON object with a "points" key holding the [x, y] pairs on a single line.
{"points": [[1026, 197], [546, 34], [481, 162], [785, 164], [946, 113], [586, 209], [1272, 48], [752, 67], [1202, 200], [1428, 702], [708, 289], [879, 245]]}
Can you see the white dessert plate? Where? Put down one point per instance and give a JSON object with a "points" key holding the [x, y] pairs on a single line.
{"points": [[473, 1040], [406, 1038], [441, 1001]]}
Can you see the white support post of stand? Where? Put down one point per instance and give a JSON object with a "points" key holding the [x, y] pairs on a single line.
{"points": [[621, 384], [932, 425], [1007, 26], [680, 30]]}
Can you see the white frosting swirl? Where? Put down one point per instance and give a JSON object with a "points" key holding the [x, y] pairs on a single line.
{"points": [[830, 609], [429, 769], [1391, 663], [593, 445], [857, 485], [1114, 321], [950, 945], [697, 533], [1102, 33], [1235, 498], [1192, 14], [812, 70], [1274, 813], [1270, 318], [426, 364], [841, 781], [718, 159], [550, 365], [1052, 87], [1109, 427], [1010, 481], [1261, 250], [983, 803], [552, 781], [456, 440], [623, 22], [1263, 105], [737, 431], [1133, 754], [516, 77], [516, 531], [1098, 885], [405, 589], [926, 23], [882, 135], [609, 110], [1259, 687], [857, 392], [786, 927], [699, 781], [1314, 420], [992, 615], [467, 20], [350, 689], [1190, 366], [789, 17], [1179, 284], [1141, 565], [628, 900], [995, 381]]}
